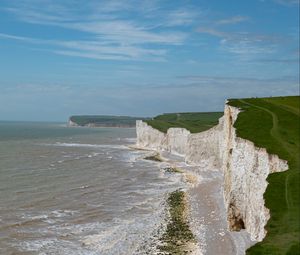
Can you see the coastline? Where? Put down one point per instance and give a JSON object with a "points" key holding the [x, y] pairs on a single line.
{"points": [[87, 126], [205, 208], [245, 168]]}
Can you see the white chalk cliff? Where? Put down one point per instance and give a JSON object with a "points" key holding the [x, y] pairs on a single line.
{"points": [[245, 166], [72, 124]]}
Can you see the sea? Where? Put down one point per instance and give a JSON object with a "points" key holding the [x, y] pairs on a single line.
{"points": [[78, 191]]}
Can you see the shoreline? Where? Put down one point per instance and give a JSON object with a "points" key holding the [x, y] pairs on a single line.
{"points": [[77, 126], [206, 212]]}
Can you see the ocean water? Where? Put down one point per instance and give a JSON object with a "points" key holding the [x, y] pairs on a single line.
{"points": [[77, 191]]}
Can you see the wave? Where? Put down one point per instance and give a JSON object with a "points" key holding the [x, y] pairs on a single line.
{"points": [[125, 236], [85, 145], [132, 140], [29, 220]]}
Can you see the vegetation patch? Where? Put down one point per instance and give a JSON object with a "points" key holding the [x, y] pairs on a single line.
{"points": [[172, 170], [274, 124], [193, 121], [155, 157], [178, 237]]}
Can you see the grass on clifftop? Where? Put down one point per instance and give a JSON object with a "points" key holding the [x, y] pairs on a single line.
{"points": [[194, 121], [274, 123]]}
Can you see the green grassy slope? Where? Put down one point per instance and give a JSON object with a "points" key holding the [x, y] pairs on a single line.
{"points": [[274, 123], [194, 121]]}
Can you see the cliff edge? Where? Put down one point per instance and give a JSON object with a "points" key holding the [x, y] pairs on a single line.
{"points": [[245, 167]]}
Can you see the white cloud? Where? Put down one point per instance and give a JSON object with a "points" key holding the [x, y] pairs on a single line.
{"points": [[280, 60], [214, 32], [245, 45], [180, 17], [95, 49], [127, 32], [14, 37], [111, 34], [232, 20], [247, 48], [288, 2]]}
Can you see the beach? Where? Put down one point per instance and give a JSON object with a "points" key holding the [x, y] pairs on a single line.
{"points": [[207, 214]]}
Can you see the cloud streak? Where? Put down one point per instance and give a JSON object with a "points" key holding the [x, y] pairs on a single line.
{"points": [[288, 2], [243, 44], [94, 49], [113, 35], [232, 20]]}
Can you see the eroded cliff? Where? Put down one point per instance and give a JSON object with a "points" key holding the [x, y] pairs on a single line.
{"points": [[245, 167]]}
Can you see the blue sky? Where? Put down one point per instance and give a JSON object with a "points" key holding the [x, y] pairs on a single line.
{"points": [[143, 57]]}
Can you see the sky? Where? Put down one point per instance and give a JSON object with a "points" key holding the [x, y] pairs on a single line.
{"points": [[143, 57]]}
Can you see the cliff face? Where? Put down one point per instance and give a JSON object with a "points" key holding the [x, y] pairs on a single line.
{"points": [[148, 137], [72, 124], [179, 141], [245, 166], [205, 146]]}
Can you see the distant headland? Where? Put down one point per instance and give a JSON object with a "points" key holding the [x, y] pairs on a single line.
{"points": [[102, 121]]}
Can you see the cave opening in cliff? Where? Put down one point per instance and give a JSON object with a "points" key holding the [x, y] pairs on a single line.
{"points": [[235, 219]]}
